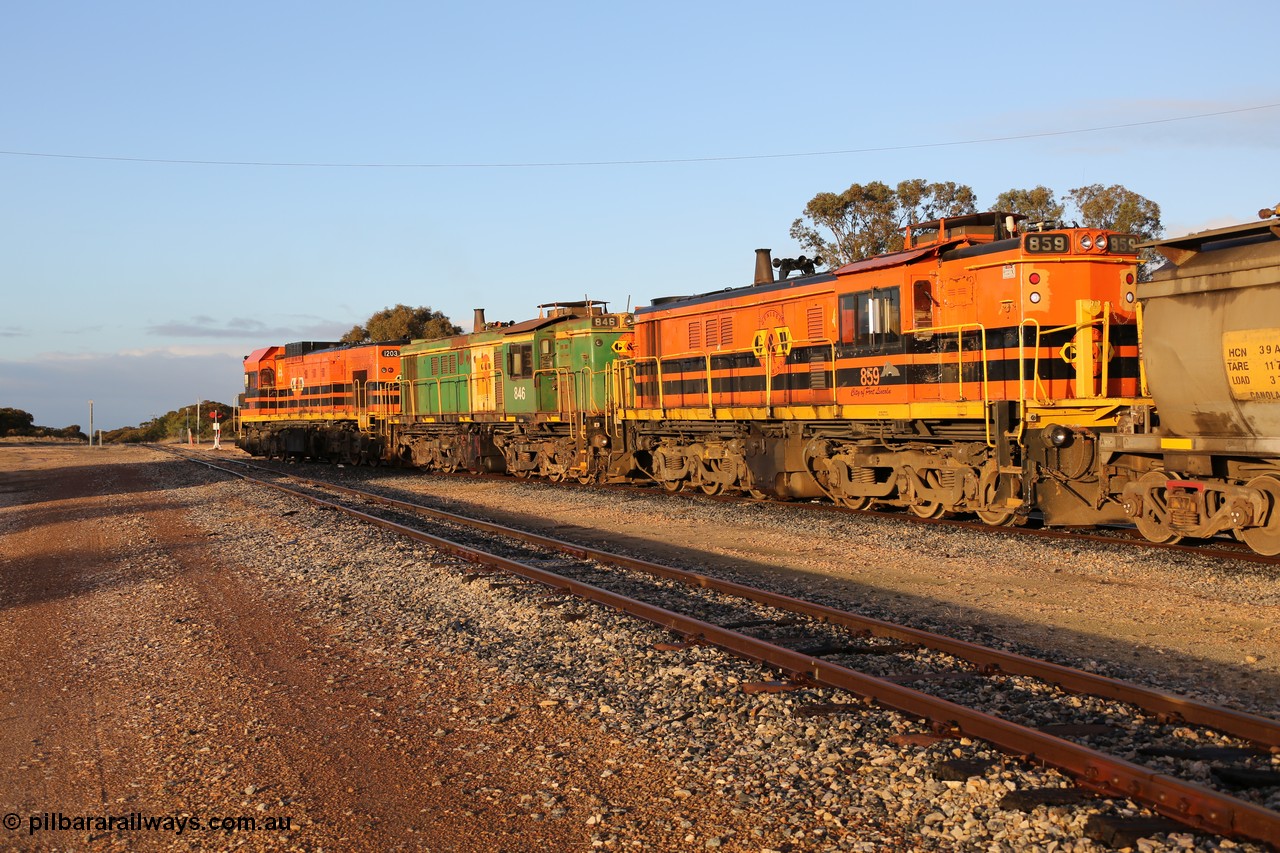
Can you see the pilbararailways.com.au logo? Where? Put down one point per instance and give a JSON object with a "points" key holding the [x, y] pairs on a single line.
{"points": [[138, 822]]}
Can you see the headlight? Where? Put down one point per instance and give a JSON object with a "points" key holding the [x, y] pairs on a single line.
{"points": [[1056, 436], [1102, 243], [1086, 242]]}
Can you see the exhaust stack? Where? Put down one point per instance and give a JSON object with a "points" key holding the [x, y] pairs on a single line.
{"points": [[764, 267], [478, 324]]}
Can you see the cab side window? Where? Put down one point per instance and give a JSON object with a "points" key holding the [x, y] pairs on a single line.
{"points": [[871, 321], [520, 361]]}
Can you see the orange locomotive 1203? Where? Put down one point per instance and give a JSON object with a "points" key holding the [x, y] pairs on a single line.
{"points": [[321, 400]]}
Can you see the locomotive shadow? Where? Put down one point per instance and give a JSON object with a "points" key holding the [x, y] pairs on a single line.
{"points": [[1126, 658], [81, 496], [63, 573]]}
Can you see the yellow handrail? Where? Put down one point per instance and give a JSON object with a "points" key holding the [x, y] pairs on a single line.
{"points": [[563, 394], [1038, 391], [657, 363], [1142, 362], [982, 338]]}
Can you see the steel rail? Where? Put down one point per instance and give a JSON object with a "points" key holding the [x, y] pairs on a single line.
{"points": [[1186, 802]]}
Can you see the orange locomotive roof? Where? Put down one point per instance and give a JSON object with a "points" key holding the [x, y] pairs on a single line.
{"points": [[882, 261], [261, 354]]}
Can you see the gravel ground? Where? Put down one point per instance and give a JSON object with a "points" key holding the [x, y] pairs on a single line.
{"points": [[240, 652]]}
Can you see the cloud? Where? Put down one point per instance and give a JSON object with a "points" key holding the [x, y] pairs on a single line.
{"points": [[127, 388], [244, 328], [13, 332]]}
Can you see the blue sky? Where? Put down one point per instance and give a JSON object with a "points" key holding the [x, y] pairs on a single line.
{"points": [[141, 284]]}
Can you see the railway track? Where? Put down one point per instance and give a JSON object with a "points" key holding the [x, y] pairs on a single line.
{"points": [[1221, 547], [1086, 725]]}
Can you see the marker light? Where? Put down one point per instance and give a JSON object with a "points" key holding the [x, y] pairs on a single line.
{"points": [[1034, 278], [1034, 297], [1128, 297]]}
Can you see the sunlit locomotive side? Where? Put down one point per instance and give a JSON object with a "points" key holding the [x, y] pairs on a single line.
{"points": [[530, 398], [1211, 463], [973, 371], [320, 401]]}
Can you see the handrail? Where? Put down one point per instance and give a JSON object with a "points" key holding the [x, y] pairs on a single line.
{"points": [[959, 329], [768, 363], [1048, 259], [1105, 375], [562, 394], [795, 344], [657, 363], [499, 400], [439, 383], [1038, 391], [1142, 362], [585, 378]]}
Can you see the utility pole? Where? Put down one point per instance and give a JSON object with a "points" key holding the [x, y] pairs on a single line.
{"points": [[197, 421], [90, 423]]}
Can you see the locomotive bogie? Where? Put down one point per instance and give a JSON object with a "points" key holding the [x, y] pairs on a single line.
{"points": [[544, 450], [342, 442], [437, 447]]}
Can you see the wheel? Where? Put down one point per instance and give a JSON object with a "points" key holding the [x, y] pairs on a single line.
{"points": [[851, 502], [520, 473], [987, 488], [1266, 539], [929, 509], [1155, 509], [586, 479], [672, 486], [711, 488], [996, 517]]}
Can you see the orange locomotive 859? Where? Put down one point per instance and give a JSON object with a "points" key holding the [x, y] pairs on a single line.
{"points": [[973, 371]]}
